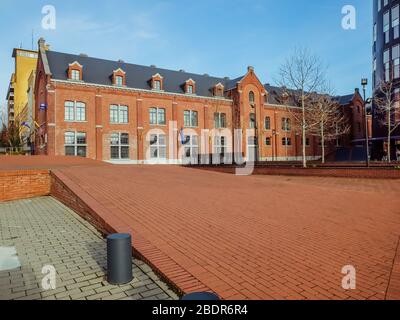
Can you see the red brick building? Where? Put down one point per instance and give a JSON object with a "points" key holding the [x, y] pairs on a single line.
{"points": [[114, 111]]}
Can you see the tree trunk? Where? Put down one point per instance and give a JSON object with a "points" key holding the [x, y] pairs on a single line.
{"points": [[304, 130], [389, 152], [323, 141]]}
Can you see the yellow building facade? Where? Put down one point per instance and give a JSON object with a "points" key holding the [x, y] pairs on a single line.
{"points": [[25, 66]]}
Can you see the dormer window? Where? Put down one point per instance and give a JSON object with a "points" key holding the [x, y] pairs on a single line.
{"points": [[157, 82], [75, 75], [219, 90], [190, 87], [75, 71], [119, 81], [157, 85], [119, 77]]}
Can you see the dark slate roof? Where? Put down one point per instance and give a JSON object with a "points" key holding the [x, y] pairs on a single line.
{"points": [[275, 94], [99, 71], [344, 100]]}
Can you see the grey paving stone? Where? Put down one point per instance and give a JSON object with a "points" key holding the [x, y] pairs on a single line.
{"points": [[45, 232]]}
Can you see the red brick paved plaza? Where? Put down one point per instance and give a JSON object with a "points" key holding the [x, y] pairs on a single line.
{"points": [[257, 237]]}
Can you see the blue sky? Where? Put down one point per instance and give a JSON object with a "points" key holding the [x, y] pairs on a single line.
{"points": [[220, 38]]}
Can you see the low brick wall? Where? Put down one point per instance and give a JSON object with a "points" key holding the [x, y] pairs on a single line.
{"points": [[15, 185], [363, 173], [79, 203]]}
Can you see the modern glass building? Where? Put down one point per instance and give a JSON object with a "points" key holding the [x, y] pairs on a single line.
{"points": [[386, 66]]}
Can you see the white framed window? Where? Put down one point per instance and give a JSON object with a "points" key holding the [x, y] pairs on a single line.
{"points": [[220, 120], [267, 123], [74, 111], [119, 146], [191, 147], [119, 81], [220, 145], [157, 85], [157, 116], [75, 144], [119, 114], [158, 146], [75, 75], [190, 119], [190, 89], [252, 122], [285, 124], [287, 141]]}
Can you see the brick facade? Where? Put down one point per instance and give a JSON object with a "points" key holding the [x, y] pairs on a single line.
{"points": [[234, 103], [16, 185]]}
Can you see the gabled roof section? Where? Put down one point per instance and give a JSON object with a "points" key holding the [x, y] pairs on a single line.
{"points": [[344, 100], [97, 71]]}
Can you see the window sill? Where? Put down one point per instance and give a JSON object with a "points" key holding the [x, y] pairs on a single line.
{"points": [[73, 121], [119, 123]]}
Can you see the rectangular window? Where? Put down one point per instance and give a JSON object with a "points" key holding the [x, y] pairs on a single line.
{"points": [[286, 141], [157, 116], [191, 147], [220, 120], [268, 141], [119, 81], [69, 111], [190, 119], [395, 21], [75, 75], [220, 145], [157, 85], [158, 146], [119, 114], [386, 63], [267, 123], [252, 122], [396, 61], [74, 111], [386, 26], [190, 89], [285, 124], [119, 146], [75, 144], [307, 142]]}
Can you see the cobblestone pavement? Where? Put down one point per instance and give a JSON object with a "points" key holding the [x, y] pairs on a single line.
{"points": [[45, 232]]}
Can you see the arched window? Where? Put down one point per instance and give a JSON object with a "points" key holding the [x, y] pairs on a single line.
{"points": [[251, 97]]}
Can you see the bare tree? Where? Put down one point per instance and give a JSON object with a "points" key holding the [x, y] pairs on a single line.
{"points": [[327, 119], [303, 74], [388, 108]]}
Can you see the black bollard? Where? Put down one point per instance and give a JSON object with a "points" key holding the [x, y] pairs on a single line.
{"points": [[119, 259], [200, 296]]}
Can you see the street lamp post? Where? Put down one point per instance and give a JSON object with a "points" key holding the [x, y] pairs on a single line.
{"points": [[364, 83]]}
